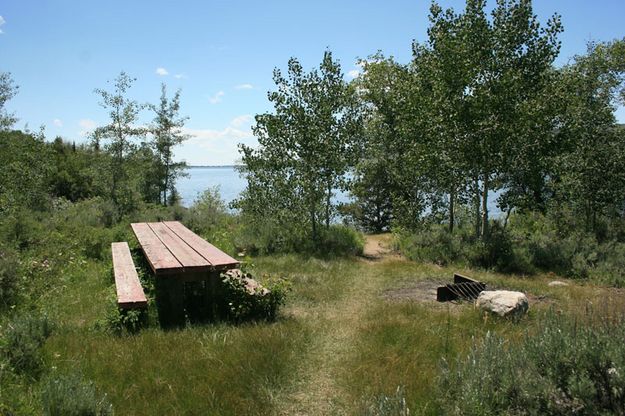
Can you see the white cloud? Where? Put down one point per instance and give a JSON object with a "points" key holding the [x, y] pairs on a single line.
{"points": [[217, 147], [87, 126], [244, 87], [217, 97], [353, 73], [180, 76], [161, 71], [243, 120], [57, 122], [2, 21]]}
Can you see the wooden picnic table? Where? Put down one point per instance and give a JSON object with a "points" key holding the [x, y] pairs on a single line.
{"points": [[178, 255]]}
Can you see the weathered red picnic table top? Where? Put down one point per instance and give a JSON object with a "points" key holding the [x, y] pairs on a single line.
{"points": [[171, 248]]}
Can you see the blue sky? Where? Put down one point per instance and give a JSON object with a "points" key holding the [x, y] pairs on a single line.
{"points": [[220, 53]]}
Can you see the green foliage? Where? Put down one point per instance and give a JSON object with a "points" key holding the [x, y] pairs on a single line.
{"points": [[268, 237], [9, 281], [167, 131], [305, 150], [208, 212], [74, 175], [567, 367], [21, 342], [116, 138], [242, 302], [26, 167], [340, 240], [435, 245], [71, 395], [121, 321], [7, 91]]}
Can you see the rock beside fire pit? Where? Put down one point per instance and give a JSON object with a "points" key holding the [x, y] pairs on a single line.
{"points": [[503, 302], [251, 285]]}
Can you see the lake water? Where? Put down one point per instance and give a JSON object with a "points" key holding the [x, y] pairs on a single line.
{"points": [[225, 177], [231, 185], [202, 178]]}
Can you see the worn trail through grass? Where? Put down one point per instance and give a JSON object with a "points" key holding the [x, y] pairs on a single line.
{"points": [[316, 389]]}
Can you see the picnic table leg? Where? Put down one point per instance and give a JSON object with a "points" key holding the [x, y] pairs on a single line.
{"points": [[170, 301], [211, 286]]}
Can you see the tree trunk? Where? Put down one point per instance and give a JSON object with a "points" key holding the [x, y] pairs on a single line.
{"points": [[313, 221], [478, 216], [328, 201], [505, 222], [485, 207], [166, 185]]}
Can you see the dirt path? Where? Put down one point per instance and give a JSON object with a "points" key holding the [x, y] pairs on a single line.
{"points": [[316, 390], [378, 247]]}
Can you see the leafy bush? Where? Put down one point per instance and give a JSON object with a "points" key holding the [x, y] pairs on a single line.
{"points": [[341, 240], [94, 212], [241, 301], [21, 230], [611, 267], [22, 340], [120, 321], [208, 212], [435, 245], [8, 276], [566, 368], [500, 252], [71, 395]]}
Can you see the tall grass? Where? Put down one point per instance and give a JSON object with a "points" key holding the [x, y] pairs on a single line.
{"points": [[206, 370]]}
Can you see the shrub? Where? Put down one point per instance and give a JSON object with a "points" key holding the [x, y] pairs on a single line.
{"points": [[119, 321], [22, 340], [433, 244], [498, 251], [22, 229], [94, 212], [8, 277], [384, 405], [208, 212], [565, 368], [341, 240], [241, 303], [611, 267], [71, 395]]}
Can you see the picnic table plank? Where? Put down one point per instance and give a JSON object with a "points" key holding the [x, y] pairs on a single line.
{"points": [[212, 254], [182, 251], [129, 291], [159, 257]]}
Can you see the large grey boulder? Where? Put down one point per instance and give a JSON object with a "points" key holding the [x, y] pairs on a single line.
{"points": [[251, 285], [503, 302]]}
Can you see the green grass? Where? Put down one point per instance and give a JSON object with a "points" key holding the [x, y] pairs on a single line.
{"points": [[207, 370], [338, 343]]}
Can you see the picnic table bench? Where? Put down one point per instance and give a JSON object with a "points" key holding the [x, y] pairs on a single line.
{"points": [[177, 255], [129, 291]]}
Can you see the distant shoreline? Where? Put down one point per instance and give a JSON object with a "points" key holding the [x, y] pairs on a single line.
{"points": [[211, 166]]}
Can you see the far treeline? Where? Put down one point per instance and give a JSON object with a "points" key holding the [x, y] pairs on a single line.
{"points": [[124, 163], [480, 110]]}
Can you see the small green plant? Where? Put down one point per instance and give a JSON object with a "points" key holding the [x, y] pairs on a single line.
{"points": [[243, 300], [22, 340], [71, 395], [119, 321]]}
